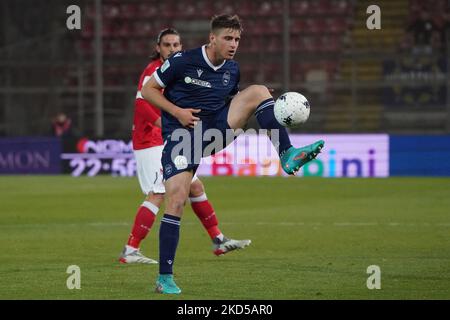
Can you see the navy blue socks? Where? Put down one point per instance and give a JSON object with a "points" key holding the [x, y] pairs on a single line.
{"points": [[169, 233], [266, 119]]}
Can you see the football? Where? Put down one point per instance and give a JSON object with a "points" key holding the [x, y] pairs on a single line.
{"points": [[291, 109]]}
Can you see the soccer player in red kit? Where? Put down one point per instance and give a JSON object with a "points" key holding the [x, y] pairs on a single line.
{"points": [[148, 147]]}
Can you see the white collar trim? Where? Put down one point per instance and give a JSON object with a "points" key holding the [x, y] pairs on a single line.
{"points": [[205, 56]]}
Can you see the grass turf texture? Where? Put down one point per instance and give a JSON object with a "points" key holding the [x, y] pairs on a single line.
{"points": [[312, 239]]}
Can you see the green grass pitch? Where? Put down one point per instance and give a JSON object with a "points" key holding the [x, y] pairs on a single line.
{"points": [[312, 238]]}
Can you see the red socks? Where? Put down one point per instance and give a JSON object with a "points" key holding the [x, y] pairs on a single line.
{"points": [[205, 212], [143, 222], [146, 215]]}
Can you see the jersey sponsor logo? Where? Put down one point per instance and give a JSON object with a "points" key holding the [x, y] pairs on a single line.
{"points": [[165, 66], [226, 78], [197, 82], [199, 72]]}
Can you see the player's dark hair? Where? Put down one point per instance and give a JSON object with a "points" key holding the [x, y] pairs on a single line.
{"points": [[155, 55], [226, 21]]}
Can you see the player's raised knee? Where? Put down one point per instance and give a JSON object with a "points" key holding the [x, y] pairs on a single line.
{"points": [[260, 91]]}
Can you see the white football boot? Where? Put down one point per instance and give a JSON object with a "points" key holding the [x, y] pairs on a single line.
{"points": [[228, 245], [135, 256]]}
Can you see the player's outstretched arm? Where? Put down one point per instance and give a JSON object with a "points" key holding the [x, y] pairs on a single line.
{"points": [[151, 92]]}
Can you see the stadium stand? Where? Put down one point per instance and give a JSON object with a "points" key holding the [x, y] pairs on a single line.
{"points": [[340, 65]]}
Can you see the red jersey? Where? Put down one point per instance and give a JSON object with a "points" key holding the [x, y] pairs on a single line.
{"points": [[145, 134]]}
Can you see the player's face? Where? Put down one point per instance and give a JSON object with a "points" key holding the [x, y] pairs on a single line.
{"points": [[225, 42], [169, 44]]}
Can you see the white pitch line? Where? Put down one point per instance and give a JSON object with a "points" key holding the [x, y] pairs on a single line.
{"points": [[258, 223], [354, 224]]}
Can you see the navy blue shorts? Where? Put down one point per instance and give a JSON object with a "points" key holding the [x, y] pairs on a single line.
{"points": [[184, 148]]}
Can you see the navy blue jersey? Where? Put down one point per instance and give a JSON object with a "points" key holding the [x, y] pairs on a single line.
{"points": [[192, 81]]}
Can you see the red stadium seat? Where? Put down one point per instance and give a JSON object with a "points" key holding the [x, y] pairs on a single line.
{"points": [[297, 72], [117, 47], [273, 44], [256, 27], [320, 7], [267, 8], [273, 72], [129, 10], [331, 66], [296, 43], [111, 75], [111, 10], [185, 9], [144, 28], [140, 47], [250, 44], [298, 25], [330, 44], [311, 44], [225, 8], [244, 8], [249, 72], [340, 7], [315, 26], [88, 30], [90, 11], [166, 9], [147, 10], [336, 25], [204, 9], [108, 29], [85, 46], [273, 26], [124, 29], [300, 8]]}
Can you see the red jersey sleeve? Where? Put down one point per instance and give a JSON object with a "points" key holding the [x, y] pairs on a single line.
{"points": [[147, 111], [145, 134], [143, 107]]}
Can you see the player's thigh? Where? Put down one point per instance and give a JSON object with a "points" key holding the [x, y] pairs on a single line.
{"points": [[149, 170], [244, 104], [177, 192]]}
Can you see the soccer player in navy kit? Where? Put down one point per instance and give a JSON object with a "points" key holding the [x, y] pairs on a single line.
{"points": [[147, 149], [201, 87]]}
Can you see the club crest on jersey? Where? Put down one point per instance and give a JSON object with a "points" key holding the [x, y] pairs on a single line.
{"points": [[226, 78], [168, 168], [199, 72]]}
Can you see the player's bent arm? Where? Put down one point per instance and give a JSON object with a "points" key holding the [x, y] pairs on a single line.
{"points": [[151, 92]]}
